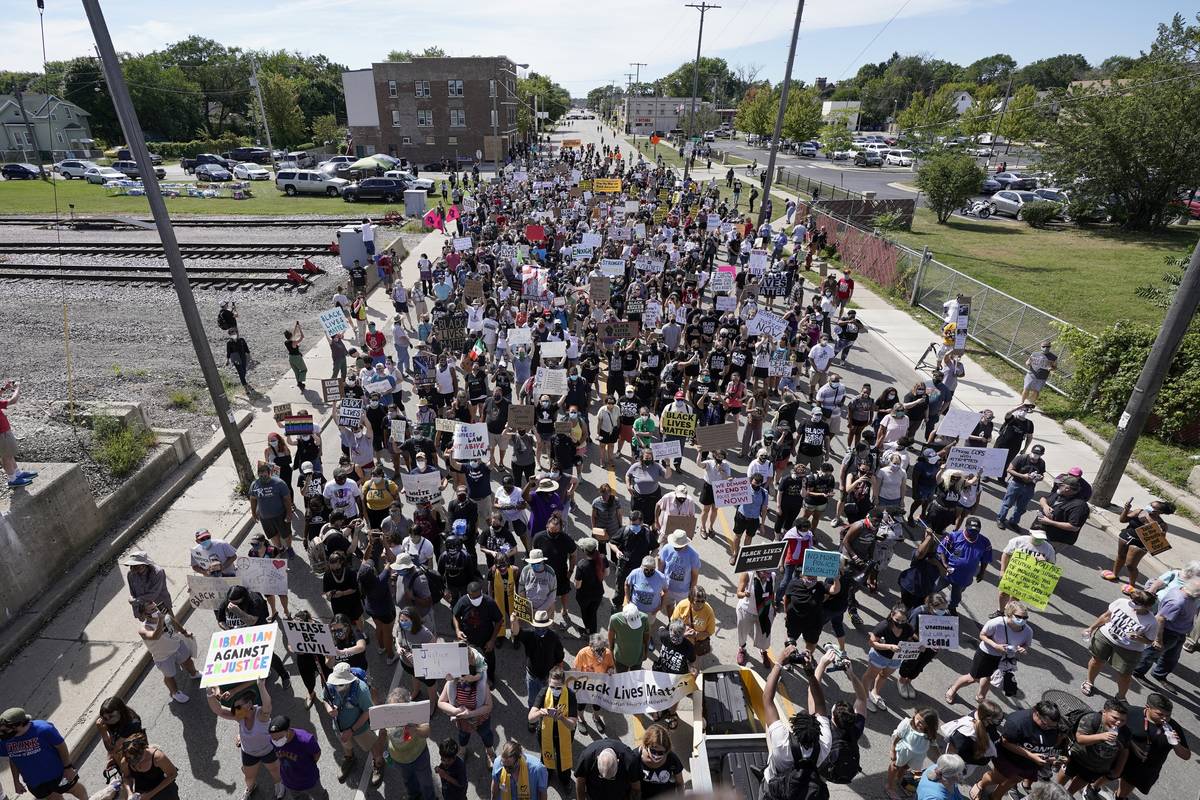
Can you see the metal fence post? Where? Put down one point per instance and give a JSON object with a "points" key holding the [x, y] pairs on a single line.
{"points": [[926, 256]]}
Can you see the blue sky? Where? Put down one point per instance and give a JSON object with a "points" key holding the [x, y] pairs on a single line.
{"points": [[585, 44]]}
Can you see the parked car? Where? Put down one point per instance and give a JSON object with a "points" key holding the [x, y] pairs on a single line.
{"points": [[1183, 205], [845, 155], [1053, 195], [130, 170], [899, 158], [806, 151], [247, 171], [710, 136], [981, 152], [1010, 202], [72, 169], [433, 166], [990, 186], [259, 155], [102, 175], [125, 155], [1015, 180], [213, 172], [389, 190], [868, 158], [339, 160], [410, 182], [302, 158], [20, 172], [309, 181], [189, 164]]}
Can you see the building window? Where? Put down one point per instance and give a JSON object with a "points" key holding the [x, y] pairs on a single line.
{"points": [[405, 140], [429, 140], [67, 109], [458, 118], [512, 115], [391, 88], [61, 139], [422, 88], [395, 119], [424, 118], [492, 88], [452, 140], [455, 88]]}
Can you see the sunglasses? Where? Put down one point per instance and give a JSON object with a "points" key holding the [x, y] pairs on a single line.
{"points": [[655, 753]]}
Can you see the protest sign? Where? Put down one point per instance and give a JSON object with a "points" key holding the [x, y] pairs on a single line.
{"points": [[679, 522], [609, 185], [639, 232], [551, 381], [350, 411], [208, 591], [666, 450], [378, 386], [425, 487], [621, 234], [591, 240], [580, 252], [518, 336], [331, 390], [721, 281], [619, 330], [631, 206], [444, 425], [439, 659], [280, 411], [1154, 537], [563, 426], [462, 243], [717, 437], [509, 251], [399, 430], [652, 314], [938, 631], [299, 425], [764, 323], [676, 423], [758, 262], [726, 302], [733, 492], [535, 233], [470, 441], [520, 417], [754, 557], [962, 325], [553, 349], [473, 289], [600, 289], [397, 715], [1030, 579], [958, 423], [712, 222], [612, 267], [635, 305], [974, 459], [779, 365], [334, 322], [821, 563], [310, 638], [586, 185], [635, 692], [263, 575], [908, 651], [774, 284], [523, 608], [237, 655]]}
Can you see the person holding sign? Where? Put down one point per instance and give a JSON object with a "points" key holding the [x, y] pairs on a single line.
{"points": [[254, 737], [935, 605], [1002, 639], [408, 748], [885, 644], [556, 715], [168, 649], [1130, 547]]}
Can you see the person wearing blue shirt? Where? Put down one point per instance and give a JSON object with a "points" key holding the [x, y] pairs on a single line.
{"points": [[681, 564], [644, 587], [966, 555], [940, 781], [37, 756], [751, 516], [517, 774]]}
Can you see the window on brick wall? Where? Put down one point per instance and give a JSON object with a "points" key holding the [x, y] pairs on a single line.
{"points": [[458, 118], [424, 118], [391, 88], [422, 89], [455, 87], [395, 119]]}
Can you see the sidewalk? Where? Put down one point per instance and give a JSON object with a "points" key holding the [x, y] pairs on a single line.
{"points": [[90, 650]]}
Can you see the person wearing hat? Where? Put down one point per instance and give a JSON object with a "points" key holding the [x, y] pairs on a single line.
{"points": [[538, 581], [1033, 543], [347, 701], [680, 562], [147, 581], [587, 577], [38, 757], [544, 499], [299, 755], [1024, 474], [169, 647], [699, 619], [1085, 488], [345, 495], [543, 651], [253, 736], [678, 503], [1063, 513], [1016, 432], [628, 637], [212, 556], [966, 555]]}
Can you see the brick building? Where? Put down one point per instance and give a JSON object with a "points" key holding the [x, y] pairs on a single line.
{"points": [[644, 115], [433, 108]]}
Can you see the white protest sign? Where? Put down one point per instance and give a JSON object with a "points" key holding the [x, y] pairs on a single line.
{"points": [[721, 281], [263, 575], [733, 492], [908, 651], [238, 655], [397, 715], [208, 591], [612, 267], [758, 262], [334, 322], [462, 243], [652, 315], [631, 206], [666, 450], [399, 429], [639, 231], [765, 323], [974, 459], [581, 252], [425, 487], [378, 386], [591, 240], [519, 336], [958, 423], [440, 659], [551, 381], [635, 692], [938, 631], [474, 318], [311, 638], [470, 441], [726, 302], [713, 222], [553, 349]]}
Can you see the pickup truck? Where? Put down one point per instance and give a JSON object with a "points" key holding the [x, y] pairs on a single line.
{"points": [[124, 155], [259, 155], [189, 164], [729, 742]]}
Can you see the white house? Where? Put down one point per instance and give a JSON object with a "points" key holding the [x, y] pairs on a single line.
{"points": [[832, 110], [961, 102]]}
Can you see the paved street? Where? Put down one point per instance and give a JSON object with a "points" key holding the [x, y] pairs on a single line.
{"points": [[208, 759]]}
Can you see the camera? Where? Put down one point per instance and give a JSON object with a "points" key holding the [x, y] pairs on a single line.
{"points": [[840, 663], [800, 657]]}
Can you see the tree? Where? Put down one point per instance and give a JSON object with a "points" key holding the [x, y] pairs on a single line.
{"points": [[1056, 72], [979, 118], [325, 128], [756, 112], [167, 101], [990, 69], [1023, 120], [551, 98], [948, 180], [223, 75], [280, 98], [836, 136], [714, 72], [432, 51], [802, 119], [925, 118]]}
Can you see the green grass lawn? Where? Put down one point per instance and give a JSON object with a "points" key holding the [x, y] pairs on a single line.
{"points": [[1086, 276], [37, 197]]}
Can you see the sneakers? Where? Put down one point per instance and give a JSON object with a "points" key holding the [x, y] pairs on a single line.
{"points": [[20, 479], [875, 702], [906, 690], [1001, 524], [393, 658], [741, 657], [346, 765], [180, 697]]}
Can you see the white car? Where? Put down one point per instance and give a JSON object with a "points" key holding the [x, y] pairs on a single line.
{"points": [[249, 171], [339, 160], [807, 151], [102, 175], [424, 184], [899, 158], [73, 168], [843, 155]]}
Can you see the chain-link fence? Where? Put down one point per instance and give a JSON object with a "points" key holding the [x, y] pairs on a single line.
{"points": [[794, 179]]}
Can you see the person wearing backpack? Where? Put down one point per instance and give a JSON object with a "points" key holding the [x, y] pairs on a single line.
{"points": [[1099, 746]]}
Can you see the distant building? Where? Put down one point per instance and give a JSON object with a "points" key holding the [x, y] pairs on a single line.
{"points": [[60, 129], [821, 83], [428, 109], [832, 110], [644, 115], [962, 101]]}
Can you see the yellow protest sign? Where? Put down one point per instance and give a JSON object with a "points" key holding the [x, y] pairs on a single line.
{"points": [[1030, 579], [585, 186], [676, 423], [606, 184], [523, 608]]}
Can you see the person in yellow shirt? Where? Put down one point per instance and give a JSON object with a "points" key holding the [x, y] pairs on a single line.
{"points": [[378, 493], [594, 657], [699, 620]]}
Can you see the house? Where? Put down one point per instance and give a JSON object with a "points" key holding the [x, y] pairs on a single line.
{"points": [[846, 110], [961, 102], [50, 126]]}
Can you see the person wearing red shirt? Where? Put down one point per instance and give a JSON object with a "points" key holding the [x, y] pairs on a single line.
{"points": [[8, 441], [845, 290], [375, 341]]}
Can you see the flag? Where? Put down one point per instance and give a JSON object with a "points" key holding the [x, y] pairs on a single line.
{"points": [[432, 220], [452, 213], [478, 350]]}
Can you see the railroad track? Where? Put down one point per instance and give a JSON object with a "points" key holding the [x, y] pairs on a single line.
{"points": [[190, 250], [215, 277], [194, 222]]}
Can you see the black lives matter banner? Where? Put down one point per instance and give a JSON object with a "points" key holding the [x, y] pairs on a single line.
{"points": [[753, 557]]}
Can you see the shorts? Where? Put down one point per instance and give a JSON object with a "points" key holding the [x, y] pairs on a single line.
{"points": [[424, 682], [907, 757], [169, 666], [8, 445], [1141, 776], [1018, 767], [276, 527], [369, 246], [610, 437], [1033, 382], [50, 787], [744, 525], [706, 495], [676, 597], [1132, 539], [249, 760], [880, 661], [626, 434], [983, 664], [497, 440], [1122, 659], [562, 586], [1076, 770]]}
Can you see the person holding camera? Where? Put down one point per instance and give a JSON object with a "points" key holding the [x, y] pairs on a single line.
{"points": [[1001, 639], [1024, 474]]}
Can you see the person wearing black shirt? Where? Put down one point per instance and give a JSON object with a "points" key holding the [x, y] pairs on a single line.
{"points": [[790, 497], [588, 579], [478, 621], [243, 608], [628, 547], [608, 770], [812, 440], [1028, 742], [1024, 474], [662, 771], [543, 651], [1154, 736], [885, 642], [560, 551], [974, 737], [1016, 434], [495, 414], [802, 606], [1063, 513], [916, 403]]}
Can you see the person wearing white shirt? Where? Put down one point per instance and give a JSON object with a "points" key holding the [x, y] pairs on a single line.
{"points": [[716, 470], [831, 397], [819, 358], [1033, 543]]}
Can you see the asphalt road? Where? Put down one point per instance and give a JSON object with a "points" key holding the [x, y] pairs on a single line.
{"points": [[209, 763]]}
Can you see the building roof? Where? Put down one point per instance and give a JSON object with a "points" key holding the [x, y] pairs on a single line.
{"points": [[37, 105]]}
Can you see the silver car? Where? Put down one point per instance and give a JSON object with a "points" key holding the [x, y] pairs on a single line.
{"points": [[1010, 202]]}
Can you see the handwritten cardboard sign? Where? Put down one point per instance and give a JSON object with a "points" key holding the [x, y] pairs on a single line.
{"points": [[397, 715], [938, 631], [1030, 579], [238, 655], [263, 575], [821, 563]]}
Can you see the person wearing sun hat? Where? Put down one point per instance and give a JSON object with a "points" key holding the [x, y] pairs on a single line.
{"points": [[538, 581], [680, 562], [543, 652]]}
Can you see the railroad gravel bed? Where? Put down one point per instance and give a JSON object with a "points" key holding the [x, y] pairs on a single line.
{"points": [[129, 344]]}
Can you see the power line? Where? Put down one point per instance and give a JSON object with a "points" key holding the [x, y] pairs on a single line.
{"points": [[878, 33]]}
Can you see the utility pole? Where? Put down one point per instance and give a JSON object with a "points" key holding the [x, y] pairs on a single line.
{"points": [[37, 153], [262, 111], [187, 301], [1000, 119], [702, 7], [637, 81], [783, 98], [1154, 372], [628, 94]]}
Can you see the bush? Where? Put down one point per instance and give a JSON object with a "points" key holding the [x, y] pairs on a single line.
{"points": [[221, 144], [889, 221], [1039, 212], [182, 399], [948, 181], [118, 447]]}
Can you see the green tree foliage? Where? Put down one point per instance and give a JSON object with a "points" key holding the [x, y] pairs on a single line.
{"points": [[1055, 72], [551, 98], [1024, 119], [1039, 213], [948, 179], [409, 55], [927, 117], [802, 120], [280, 97], [714, 73], [222, 74], [836, 136], [990, 69], [83, 84], [1162, 296], [756, 112], [325, 128], [978, 119], [165, 99]]}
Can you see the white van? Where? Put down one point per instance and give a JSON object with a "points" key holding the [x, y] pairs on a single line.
{"points": [[899, 158], [307, 181]]}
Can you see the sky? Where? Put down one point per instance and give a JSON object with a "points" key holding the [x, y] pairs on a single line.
{"points": [[586, 44]]}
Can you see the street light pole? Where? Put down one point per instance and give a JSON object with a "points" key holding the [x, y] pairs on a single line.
{"points": [[187, 301], [702, 7], [1149, 382], [783, 98], [637, 79], [262, 111]]}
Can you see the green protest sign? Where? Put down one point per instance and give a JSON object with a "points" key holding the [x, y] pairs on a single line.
{"points": [[1030, 579]]}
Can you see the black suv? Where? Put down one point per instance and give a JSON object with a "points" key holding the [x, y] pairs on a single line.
{"points": [[389, 190], [130, 170], [125, 155], [259, 155], [868, 158]]}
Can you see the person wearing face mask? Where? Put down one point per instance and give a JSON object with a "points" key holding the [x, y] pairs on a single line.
{"points": [[1179, 608], [885, 643], [543, 652], [966, 555], [831, 399], [645, 588], [1002, 638], [538, 581], [716, 470], [212, 556], [1130, 547], [345, 495], [643, 480], [1062, 514], [555, 716], [588, 579], [349, 643], [675, 655], [271, 506], [378, 493], [1119, 637], [678, 503], [911, 669], [628, 548], [1039, 365], [299, 756], [478, 621], [254, 738], [597, 658], [1016, 432]]}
